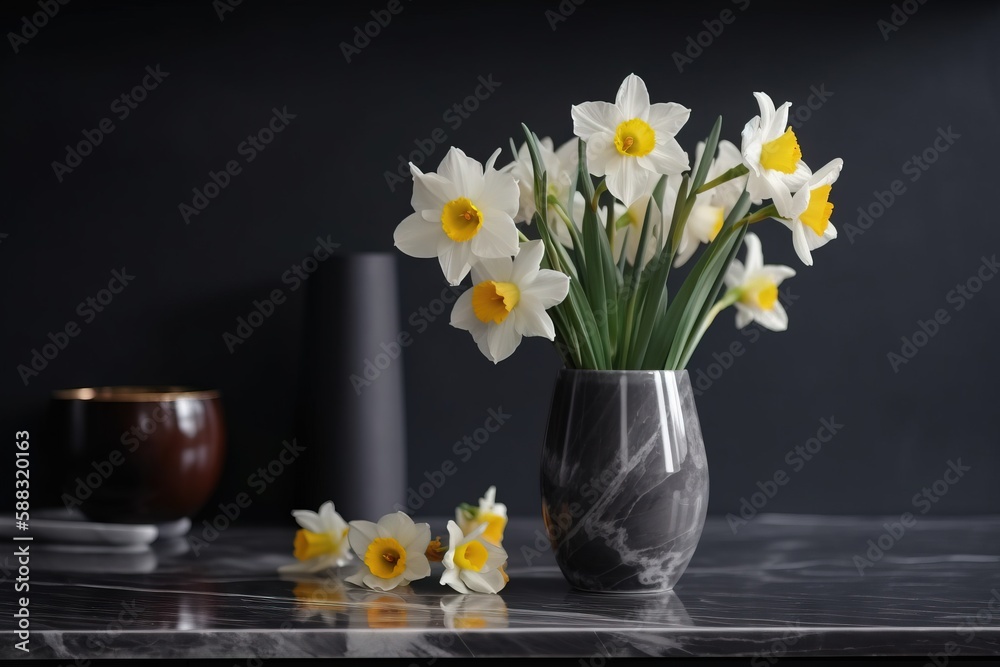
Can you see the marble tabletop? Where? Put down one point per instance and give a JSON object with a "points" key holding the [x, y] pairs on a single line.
{"points": [[780, 585]]}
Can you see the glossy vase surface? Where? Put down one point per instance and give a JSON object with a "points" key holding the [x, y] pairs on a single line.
{"points": [[624, 478]]}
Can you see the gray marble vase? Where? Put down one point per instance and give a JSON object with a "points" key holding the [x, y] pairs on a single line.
{"points": [[624, 478]]}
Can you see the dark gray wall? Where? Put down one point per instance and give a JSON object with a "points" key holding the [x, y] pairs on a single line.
{"points": [[888, 94]]}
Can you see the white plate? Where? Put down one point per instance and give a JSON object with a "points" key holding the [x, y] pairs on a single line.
{"points": [[71, 528]]}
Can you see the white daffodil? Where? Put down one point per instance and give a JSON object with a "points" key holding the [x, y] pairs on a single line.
{"points": [[392, 551], [771, 152], [321, 543], [560, 169], [489, 512], [463, 213], [711, 208], [472, 564], [628, 235], [755, 286], [631, 141], [811, 211], [508, 300]]}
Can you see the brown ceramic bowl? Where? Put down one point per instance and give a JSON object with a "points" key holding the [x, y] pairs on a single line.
{"points": [[139, 454]]}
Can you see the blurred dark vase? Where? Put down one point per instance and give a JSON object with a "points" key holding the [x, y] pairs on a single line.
{"points": [[139, 454], [350, 409]]}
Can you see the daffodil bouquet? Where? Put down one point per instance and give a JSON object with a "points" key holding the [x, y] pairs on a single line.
{"points": [[595, 281]]}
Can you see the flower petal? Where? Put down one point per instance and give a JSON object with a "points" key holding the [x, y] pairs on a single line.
{"points": [[666, 158], [462, 314], [527, 262], [497, 237], [778, 191], [482, 339], [626, 179], [755, 254], [601, 153], [417, 565], [766, 107], [454, 259], [798, 178], [668, 118], [431, 191], [452, 578], [495, 268], [328, 515], [549, 288], [500, 192], [801, 243], [455, 535], [360, 535], [495, 556], [633, 98], [380, 584], [734, 273], [592, 118], [779, 122], [743, 316], [775, 319], [416, 237], [357, 578], [483, 582], [532, 320], [465, 172], [827, 174], [777, 272], [309, 520], [503, 338], [399, 526]]}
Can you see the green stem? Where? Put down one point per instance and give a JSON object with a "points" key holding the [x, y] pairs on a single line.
{"points": [[729, 298], [602, 187], [735, 172], [560, 209], [768, 211]]}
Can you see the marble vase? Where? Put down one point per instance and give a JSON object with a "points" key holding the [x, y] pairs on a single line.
{"points": [[624, 478]]}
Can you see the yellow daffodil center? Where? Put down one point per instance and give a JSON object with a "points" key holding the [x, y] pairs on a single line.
{"points": [[460, 219], [781, 154], [494, 527], [385, 557], [817, 215], [471, 556], [310, 545], [717, 224], [470, 622], [635, 138], [760, 292], [492, 301]]}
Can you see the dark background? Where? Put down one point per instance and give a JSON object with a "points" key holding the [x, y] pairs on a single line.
{"points": [[324, 177]]}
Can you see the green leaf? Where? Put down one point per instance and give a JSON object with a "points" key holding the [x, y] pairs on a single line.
{"points": [[650, 293], [707, 155], [594, 252], [700, 287]]}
